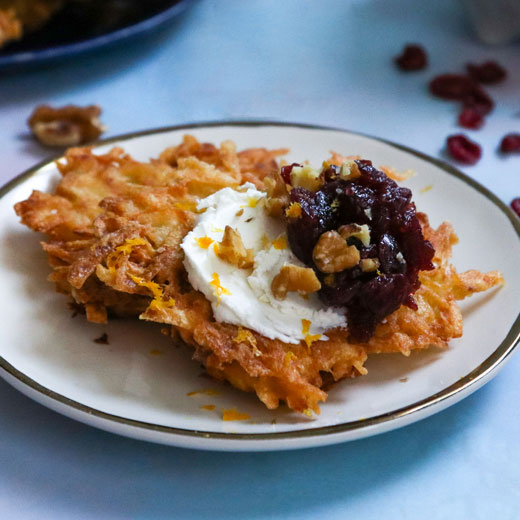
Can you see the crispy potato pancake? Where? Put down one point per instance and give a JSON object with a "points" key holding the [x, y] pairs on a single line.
{"points": [[114, 230]]}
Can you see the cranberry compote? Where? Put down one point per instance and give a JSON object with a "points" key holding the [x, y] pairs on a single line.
{"points": [[396, 243]]}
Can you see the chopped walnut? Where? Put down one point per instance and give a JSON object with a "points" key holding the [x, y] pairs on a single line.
{"points": [[67, 126], [306, 177], [277, 195], [356, 231], [294, 278], [349, 171], [369, 265], [331, 253], [233, 251]]}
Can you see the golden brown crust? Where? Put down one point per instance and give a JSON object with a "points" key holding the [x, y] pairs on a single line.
{"points": [[115, 228]]}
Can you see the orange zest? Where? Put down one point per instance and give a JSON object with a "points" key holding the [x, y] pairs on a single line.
{"points": [[219, 290], [309, 338], [246, 336], [252, 202], [204, 242], [280, 242], [189, 206], [289, 356], [157, 291], [206, 391], [124, 250], [234, 415], [294, 210]]}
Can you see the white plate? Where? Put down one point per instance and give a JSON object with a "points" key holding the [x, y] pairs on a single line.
{"points": [[138, 384]]}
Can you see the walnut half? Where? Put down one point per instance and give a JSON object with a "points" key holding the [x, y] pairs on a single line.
{"points": [[331, 254], [294, 278], [277, 196], [368, 265], [233, 251], [67, 126]]}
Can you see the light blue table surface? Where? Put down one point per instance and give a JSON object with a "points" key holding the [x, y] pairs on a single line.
{"points": [[325, 62]]}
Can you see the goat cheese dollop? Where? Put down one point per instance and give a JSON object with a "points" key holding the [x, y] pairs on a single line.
{"points": [[241, 296]]}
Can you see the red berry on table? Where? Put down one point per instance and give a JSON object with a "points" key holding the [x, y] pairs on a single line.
{"points": [[478, 99], [471, 118], [515, 205], [451, 86], [488, 72], [413, 57], [510, 143], [463, 149]]}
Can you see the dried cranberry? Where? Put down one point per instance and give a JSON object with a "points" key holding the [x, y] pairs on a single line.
{"points": [[487, 72], [413, 57], [510, 143], [458, 87], [471, 118], [515, 205], [396, 239], [452, 86], [464, 150], [478, 99]]}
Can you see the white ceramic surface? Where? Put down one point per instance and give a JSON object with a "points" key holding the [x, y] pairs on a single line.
{"points": [[138, 384]]}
